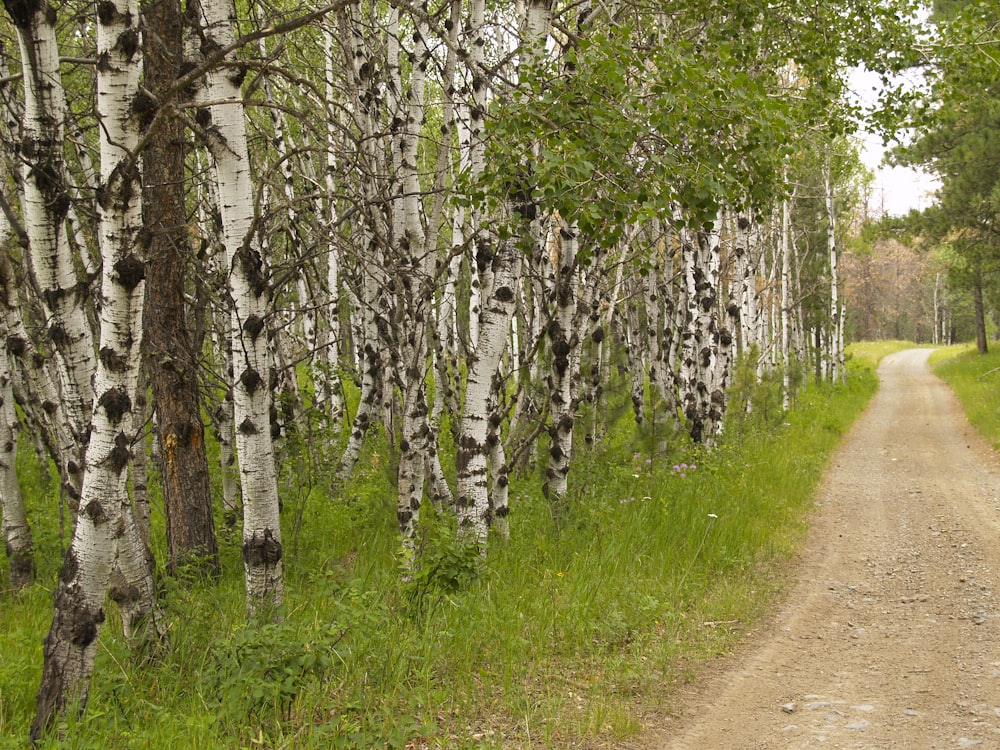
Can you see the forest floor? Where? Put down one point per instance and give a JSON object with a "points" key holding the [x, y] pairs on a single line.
{"points": [[889, 635]]}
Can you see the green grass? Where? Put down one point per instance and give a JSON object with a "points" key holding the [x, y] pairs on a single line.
{"points": [[870, 353], [975, 379], [567, 634]]}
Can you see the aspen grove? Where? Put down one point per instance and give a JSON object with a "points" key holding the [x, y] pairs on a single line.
{"points": [[450, 223]]}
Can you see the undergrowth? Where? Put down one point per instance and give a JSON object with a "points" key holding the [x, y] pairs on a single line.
{"points": [[975, 378], [571, 632]]}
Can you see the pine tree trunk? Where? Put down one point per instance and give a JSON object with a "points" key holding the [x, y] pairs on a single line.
{"points": [[171, 364]]}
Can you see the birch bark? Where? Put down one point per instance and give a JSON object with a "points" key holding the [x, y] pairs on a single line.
{"points": [[472, 455], [223, 118], [18, 540], [106, 538], [564, 343], [835, 355], [786, 274], [46, 202]]}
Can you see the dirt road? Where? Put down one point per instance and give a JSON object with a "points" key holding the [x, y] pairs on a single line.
{"points": [[890, 637]]}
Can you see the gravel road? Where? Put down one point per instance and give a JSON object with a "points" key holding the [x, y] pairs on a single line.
{"points": [[890, 635]]}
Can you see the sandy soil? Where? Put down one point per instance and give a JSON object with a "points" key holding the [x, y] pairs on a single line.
{"points": [[890, 635]]}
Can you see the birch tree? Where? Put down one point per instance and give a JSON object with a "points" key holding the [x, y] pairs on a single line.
{"points": [[502, 256], [222, 118], [46, 202], [106, 539]]}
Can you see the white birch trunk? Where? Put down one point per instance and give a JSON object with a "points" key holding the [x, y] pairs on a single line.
{"points": [[17, 533], [699, 375], [635, 360], [786, 272], [936, 331], [331, 378], [106, 537], [248, 285], [416, 292], [46, 202], [835, 360], [564, 343], [473, 500], [223, 416]]}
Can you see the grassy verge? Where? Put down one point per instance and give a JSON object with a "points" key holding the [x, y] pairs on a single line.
{"points": [[975, 379], [571, 633], [870, 353]]}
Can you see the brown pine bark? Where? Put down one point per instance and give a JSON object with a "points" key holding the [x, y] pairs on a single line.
{"points": [[980, 310], [171, 359]]}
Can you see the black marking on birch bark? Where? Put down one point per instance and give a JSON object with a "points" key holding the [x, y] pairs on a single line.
{"points": [[208, 45], [131, 272], [103, 66], [251, 380], [112, 360], [53, 296], [252, 267], [597, 336], [69, 567], [16, 346], [203, 116], [124, 593], [22, 11], [58, 335], [106, 12], [504, 294], [119, 457], [403, 517], [116, 403], [253, 326], [85, 628], [186, 67], [95, 512], [247, 427], [262, 549], [725, 338], [237, 75], [144, 108], [560, 347]]}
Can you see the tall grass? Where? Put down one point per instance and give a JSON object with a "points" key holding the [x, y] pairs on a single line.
{"points": [[567, 634], [975, 379]]}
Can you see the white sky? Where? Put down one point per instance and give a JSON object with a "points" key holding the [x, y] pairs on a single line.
{"points": [[896, 189]]}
